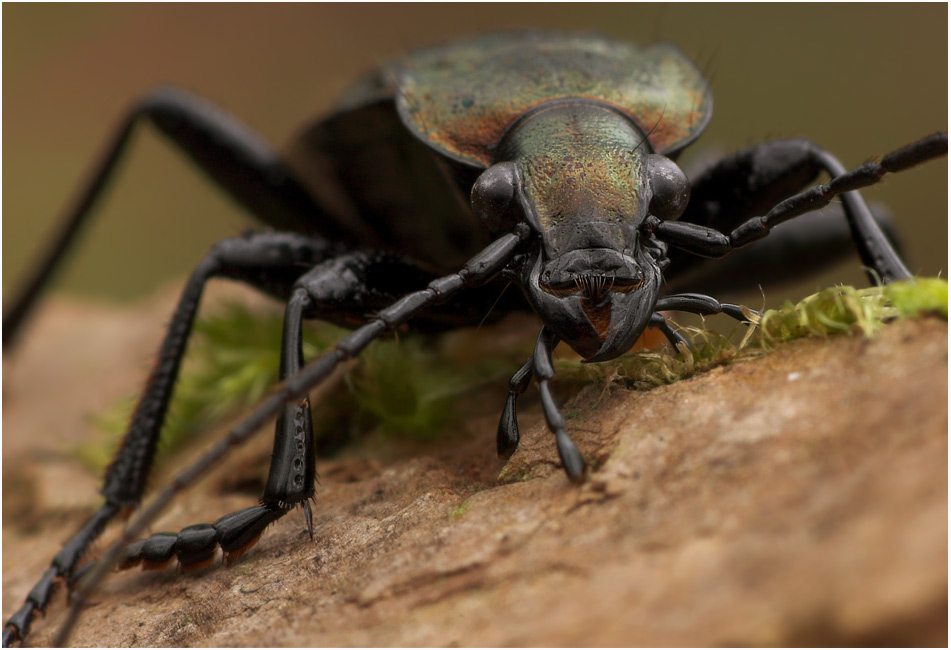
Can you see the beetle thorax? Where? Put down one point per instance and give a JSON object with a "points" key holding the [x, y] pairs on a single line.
{"points": [[584, 187], [583, 175]]}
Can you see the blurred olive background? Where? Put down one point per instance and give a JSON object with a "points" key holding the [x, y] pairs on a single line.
{"points": [[859, 80]]}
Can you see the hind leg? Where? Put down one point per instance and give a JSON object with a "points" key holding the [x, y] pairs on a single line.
{"points": [[236, 159]]}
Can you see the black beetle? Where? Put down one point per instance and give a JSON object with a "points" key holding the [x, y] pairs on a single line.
{"points": [[543, 159]]}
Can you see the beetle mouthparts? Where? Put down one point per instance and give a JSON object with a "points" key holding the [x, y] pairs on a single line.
{"points": [[592, 272], [593, 288], [599, 314]]}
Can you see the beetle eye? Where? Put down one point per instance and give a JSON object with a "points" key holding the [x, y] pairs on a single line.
{"points": [[493, 197], [670, 190]]}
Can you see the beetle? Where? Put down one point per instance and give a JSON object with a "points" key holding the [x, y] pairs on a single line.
{"points": [[542, 159]]}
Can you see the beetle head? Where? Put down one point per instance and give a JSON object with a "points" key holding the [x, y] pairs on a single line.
{"points": [[583, 177]]}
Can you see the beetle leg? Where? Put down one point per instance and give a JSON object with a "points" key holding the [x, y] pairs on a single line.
{"points": [[238, 160], [544, 372], [507, 436], [337, 289], [282, 255], [802, 247], [293, 470], [290, 478], [728, 190], [18, 625], [881, 260], [659, 321], [698, 303], [478, 270]]}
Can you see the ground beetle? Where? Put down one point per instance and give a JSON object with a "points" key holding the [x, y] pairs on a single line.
{"points": [[547, 160]]}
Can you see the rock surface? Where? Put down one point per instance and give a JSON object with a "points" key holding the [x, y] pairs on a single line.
{"points": [[796, 499]]}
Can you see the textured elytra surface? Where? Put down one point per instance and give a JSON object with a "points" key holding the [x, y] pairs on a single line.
{"points": [[461, 97], [798, 499]]}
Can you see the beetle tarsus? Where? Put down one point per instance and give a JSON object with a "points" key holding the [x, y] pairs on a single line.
{"points": [[62, 566], [195, 547], [676, 340]]}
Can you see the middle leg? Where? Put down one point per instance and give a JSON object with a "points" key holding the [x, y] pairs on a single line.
{"points": [[339, 289]]}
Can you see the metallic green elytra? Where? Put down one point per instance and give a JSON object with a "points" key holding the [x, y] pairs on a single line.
{"points": [[461, 99], [373, 160]]}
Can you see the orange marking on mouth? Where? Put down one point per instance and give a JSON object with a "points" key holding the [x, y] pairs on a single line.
{"points": [[599, 315]]}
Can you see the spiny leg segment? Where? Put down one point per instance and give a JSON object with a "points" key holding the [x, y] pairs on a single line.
{"points": [[482, 267]]}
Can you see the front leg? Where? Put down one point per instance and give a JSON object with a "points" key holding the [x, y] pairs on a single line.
{"points": [[290, 479], [544, 370], [769, 165]]}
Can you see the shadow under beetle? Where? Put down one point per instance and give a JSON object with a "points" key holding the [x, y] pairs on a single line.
{"points": [[542, 159]]}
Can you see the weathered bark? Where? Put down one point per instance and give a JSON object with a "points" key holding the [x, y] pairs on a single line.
{"points": [[797, 499]]}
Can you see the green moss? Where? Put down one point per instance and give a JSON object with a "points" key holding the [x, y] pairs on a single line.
{"points": [[458, 513], [409, 388], [846, 310], [646, 369], [919, 297], [833, 311], [413, 385]]}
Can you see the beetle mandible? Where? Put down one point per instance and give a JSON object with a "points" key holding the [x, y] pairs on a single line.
{"points": [[544, 159]]}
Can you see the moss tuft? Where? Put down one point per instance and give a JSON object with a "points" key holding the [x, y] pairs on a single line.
{"points": [[833, 311], [919, 297]]}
